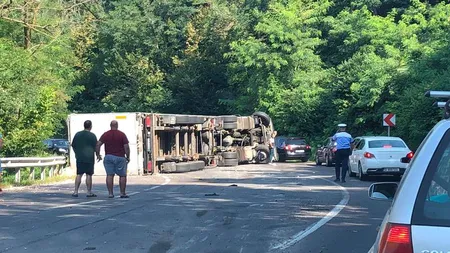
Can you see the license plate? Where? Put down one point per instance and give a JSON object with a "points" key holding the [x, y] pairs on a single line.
{"points": [[391, 170], [300, 151]]}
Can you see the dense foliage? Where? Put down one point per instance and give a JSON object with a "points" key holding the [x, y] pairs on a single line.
{"points": [[309, 64]]}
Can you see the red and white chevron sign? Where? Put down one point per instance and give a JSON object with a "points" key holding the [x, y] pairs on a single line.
{"points": [[389, 120]]}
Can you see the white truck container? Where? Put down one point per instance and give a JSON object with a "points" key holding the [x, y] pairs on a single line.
{"points": [[129, 123]]}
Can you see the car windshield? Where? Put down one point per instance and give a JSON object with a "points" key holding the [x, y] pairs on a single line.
{"points": [[386, 144], [61, 143], [296, 142]]}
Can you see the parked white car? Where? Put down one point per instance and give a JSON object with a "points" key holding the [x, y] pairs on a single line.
{"points": [[378, 155]]}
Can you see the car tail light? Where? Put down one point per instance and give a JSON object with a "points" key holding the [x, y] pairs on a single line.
{"points": [[410, 155], [369, 155], [288, 147], [396, 239], [308, 147]]}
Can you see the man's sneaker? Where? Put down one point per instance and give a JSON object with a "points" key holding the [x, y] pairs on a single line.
{"points": [[337, 180]]}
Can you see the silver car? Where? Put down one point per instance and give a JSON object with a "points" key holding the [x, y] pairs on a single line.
{"points": [[419, 218]]}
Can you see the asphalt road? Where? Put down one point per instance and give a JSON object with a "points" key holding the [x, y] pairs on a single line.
{"points": [[291, 207]]}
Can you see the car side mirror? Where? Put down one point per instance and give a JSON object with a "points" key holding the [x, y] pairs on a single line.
{"points": [[405, 160], [383, 191]]}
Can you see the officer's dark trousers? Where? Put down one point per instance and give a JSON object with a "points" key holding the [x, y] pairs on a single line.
{"points": [[341, 158]]}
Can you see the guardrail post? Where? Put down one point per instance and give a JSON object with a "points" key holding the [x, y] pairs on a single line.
{"points": [[42, 173], [17, 175], [32, 169], [52, 171]]}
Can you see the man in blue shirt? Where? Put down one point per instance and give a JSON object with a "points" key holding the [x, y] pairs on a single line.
{"points": [[343, 151]]}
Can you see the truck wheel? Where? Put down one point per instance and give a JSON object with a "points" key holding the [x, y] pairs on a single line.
{"points": [[231, 162], [182, 119], [230, 155], [230, 125], [229, 118], [183, 167], [264, 118], [263, 154], [196, 165], [196, 120]]}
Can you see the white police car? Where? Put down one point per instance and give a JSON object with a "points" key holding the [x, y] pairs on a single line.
{"points": [[419, 218]]}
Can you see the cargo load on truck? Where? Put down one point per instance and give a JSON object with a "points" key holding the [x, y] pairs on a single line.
{"points": [[175, 143]]}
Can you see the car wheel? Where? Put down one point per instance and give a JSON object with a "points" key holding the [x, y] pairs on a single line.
{"points": [[361, 175], [282, 159], [328, 162], [304, 160], [318, 161]]}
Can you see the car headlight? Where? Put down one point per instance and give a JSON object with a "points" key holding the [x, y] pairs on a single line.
{"points": [[62, 150]]}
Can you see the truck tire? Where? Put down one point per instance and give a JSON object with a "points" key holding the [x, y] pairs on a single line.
{"points": [[230, 125], [196, 165], [196, 120], [229, 118], [263, 154], [182, 119], [230, 155], [265, 119], [183, 167], [230, 162]]}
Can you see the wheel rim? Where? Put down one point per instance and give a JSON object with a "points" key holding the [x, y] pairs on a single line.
{"points": [[262, 156]]}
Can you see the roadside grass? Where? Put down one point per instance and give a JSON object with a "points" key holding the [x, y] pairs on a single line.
{"points": [[8, 178]]}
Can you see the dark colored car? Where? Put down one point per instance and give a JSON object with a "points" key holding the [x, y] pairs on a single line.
{"points": [[57, 146], [326, 152], [293, 148]]}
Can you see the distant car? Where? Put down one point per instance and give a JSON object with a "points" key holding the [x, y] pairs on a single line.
{"points": [[326, 152], [418, 220], [378, 155], [57, 146], [293, 148]]}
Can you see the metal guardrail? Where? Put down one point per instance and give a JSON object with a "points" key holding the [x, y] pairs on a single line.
{"points": [[54, 164]]}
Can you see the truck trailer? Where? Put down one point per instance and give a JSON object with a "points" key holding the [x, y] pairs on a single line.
{"points": [[175, 143]]}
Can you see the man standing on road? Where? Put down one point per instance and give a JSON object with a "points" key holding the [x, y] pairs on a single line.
{"points": [[343, 151], [272, 147], [83, 145], [117, 157]]}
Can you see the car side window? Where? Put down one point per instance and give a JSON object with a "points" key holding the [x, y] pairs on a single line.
{"points": [[356, 143], [360, 144], [433, 202]]}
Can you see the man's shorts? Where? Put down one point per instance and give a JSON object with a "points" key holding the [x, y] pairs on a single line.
{"points": [[85, 168], [115, 165]]}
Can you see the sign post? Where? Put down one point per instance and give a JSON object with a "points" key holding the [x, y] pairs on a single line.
{"points": [[389, 121]]}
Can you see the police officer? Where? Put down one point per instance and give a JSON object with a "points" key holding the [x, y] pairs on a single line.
{"points": [[343, 151]]}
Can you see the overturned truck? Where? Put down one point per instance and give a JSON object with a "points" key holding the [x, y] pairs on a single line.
{"points": [[174, 143]]}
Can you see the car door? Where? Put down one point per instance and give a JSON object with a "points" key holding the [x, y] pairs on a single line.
{"points": [[430, 228], [352, 158], [358, 154]]}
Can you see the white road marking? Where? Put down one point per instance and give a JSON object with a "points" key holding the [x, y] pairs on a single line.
{"points": [[242, 250], [76, 204], [309, 230], [166, 181]]}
